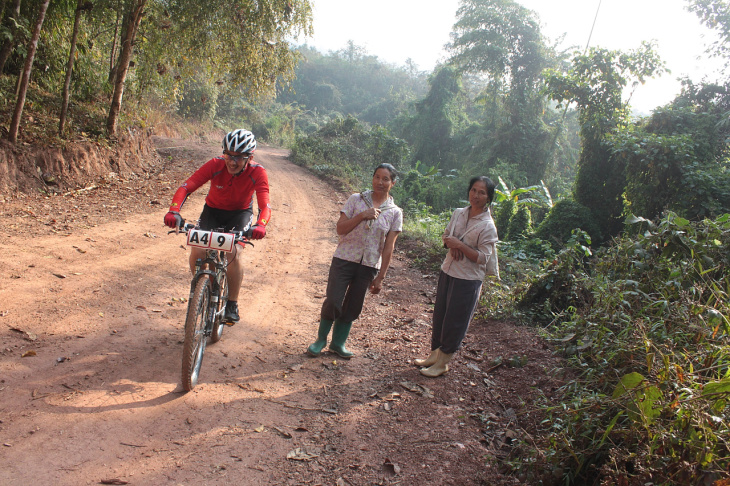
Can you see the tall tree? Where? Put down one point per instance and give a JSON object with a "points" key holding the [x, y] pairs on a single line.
{"points": [[80, 7], [596, 85], [715, 14], [502, 40], [10, 24], [132, 19], [25, 75], [430, 131], [238, 44]]}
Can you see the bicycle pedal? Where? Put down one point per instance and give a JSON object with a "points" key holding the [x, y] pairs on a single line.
{"points": [[230, 323]]}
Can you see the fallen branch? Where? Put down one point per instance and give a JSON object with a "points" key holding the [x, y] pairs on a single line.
{"points": [[130, 445], [79, 191], [494, 367], [323, 410]]}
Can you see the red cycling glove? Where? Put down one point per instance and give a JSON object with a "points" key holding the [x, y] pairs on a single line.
{"points": [[173, 219], [259, 231]]}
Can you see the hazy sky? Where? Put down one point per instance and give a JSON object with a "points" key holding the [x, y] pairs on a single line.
{"points": [[395, 30]]}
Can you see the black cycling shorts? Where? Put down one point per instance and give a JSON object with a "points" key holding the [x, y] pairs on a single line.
{"points": [[212, 219]]}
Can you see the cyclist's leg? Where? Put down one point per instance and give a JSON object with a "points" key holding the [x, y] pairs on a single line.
{"points": [[195, 254], [234, 273], [236, 221]]}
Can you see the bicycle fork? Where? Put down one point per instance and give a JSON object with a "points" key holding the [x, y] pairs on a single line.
{"points": [[211, 314]]}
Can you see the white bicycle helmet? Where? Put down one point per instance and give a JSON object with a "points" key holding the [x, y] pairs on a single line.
{"points": [[239, 141]]}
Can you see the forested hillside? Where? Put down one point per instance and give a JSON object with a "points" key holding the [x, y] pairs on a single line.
{"points": [[614, 229]]}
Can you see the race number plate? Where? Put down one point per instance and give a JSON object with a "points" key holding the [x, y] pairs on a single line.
{"points": [[210, 239]]}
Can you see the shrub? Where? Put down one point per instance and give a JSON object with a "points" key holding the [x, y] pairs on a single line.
{"points": [[520, 225], [502, 214], [563, 218], [650, 353]]}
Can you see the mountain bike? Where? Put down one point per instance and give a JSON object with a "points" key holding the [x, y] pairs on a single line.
{"points": [[204, 321]]}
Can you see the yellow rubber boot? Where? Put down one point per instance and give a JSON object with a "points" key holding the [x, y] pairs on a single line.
{"points": [[430, 360], [440, 367]]}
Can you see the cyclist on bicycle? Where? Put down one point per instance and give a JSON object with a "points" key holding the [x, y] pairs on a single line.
{"points": [[234, 177]]}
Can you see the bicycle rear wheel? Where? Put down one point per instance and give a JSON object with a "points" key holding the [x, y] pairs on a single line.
{"points": [[195, 339], [218, 326]]}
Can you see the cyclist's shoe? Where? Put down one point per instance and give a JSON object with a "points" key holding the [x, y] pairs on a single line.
{"points": [[231, 315]]}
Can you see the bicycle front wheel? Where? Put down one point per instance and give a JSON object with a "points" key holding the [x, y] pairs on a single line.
{"points": [[195, 339]]}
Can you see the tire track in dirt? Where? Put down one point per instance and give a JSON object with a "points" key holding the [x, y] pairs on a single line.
{"points": [[107, 353], [101, 399]]}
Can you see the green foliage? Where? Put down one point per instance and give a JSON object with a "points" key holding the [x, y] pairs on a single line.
{"points": [[351, 83], [423, 230], [536, 196], [500, 38], [431, 129], [563, 218], [513, 214], [677, 158], [596, 83], [503, 213], [184, 51], [198, 100], [555, 290], [347, 151], [520, 225], [501, 41], [649, 349], [428, 186]]}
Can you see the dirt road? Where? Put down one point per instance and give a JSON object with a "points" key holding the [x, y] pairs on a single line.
{"points": [[92, 303]]}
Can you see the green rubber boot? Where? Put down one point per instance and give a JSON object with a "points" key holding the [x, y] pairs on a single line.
{"points": [[315, 349], [339, 336]]}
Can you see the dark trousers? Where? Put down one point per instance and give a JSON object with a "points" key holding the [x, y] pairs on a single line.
{"points": [[347, 285], [456, 302]]}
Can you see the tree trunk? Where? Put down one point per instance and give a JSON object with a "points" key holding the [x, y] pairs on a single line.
{"points": [[8, 45], [25, 75], [2, 10], [69, 69], [113, 53], [129, 34]]}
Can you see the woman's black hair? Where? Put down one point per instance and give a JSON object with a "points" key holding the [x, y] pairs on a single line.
{"points": [[389, 168], [487, 182]]}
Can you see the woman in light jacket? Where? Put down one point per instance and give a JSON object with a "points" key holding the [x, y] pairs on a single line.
{"points": [[471, 238]]}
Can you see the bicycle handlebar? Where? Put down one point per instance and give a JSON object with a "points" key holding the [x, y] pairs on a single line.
{"points": [[238, 236]]}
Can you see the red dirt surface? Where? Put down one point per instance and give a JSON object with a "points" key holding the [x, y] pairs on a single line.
{"points": [[92, 303]]}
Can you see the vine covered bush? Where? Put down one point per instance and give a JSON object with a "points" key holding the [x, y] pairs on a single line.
{"points": [[562, 219], [520, 225]]}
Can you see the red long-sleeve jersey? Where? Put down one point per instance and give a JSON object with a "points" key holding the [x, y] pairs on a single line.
{"points": [[227, 191]]}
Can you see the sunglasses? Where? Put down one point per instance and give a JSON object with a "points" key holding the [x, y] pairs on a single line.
{"points": [[238, 158]]}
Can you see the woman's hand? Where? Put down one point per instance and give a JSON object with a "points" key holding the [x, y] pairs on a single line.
{"points": [[345, 224], [370, 213], [455, 247], [452, 242], [456, 254], [376, 285]]}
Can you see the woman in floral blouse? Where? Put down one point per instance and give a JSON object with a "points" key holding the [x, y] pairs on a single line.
{"points": [[368, 226]]}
